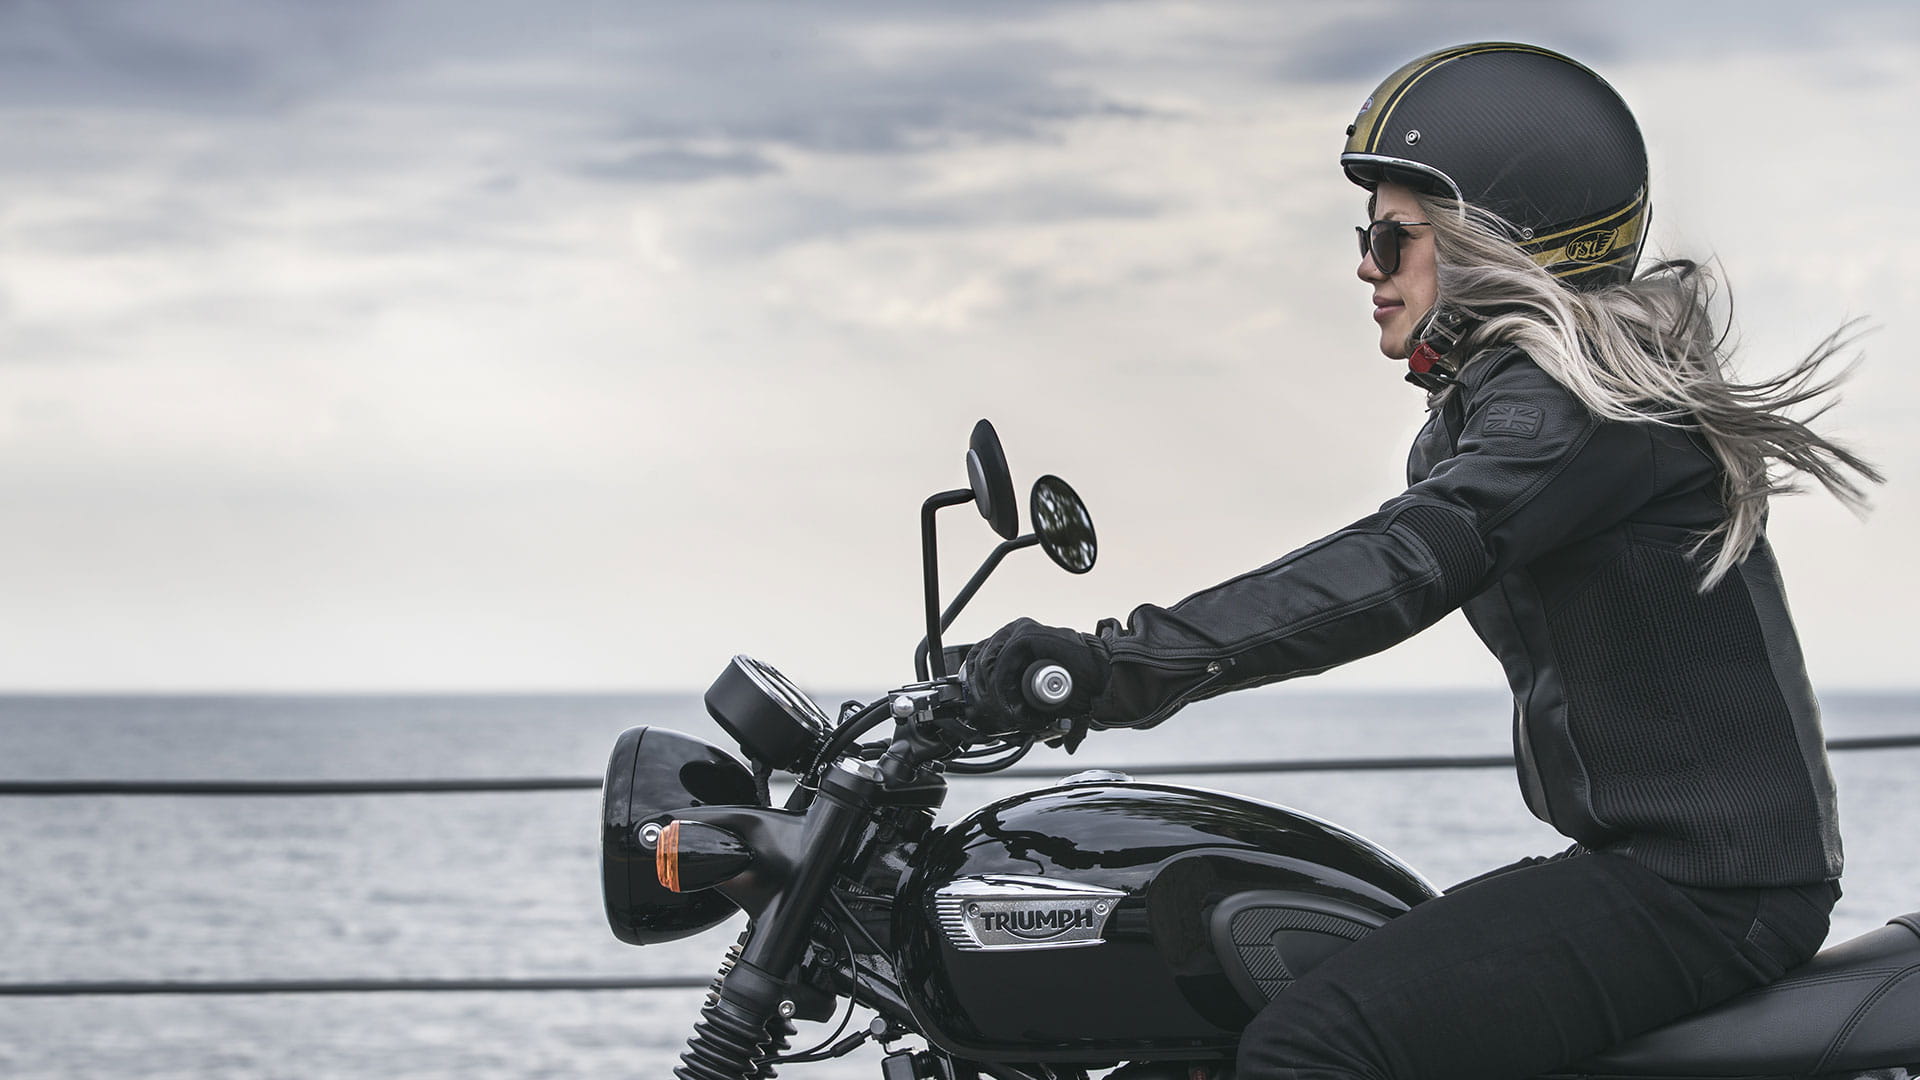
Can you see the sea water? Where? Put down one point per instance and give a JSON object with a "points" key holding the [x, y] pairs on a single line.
{"points": [[507, 885]]}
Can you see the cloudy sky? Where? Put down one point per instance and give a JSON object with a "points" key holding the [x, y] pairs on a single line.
{"points": [[414, 345]]}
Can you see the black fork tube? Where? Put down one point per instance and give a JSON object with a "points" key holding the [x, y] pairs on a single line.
{"points": [[834, 821], [731, 1036]]}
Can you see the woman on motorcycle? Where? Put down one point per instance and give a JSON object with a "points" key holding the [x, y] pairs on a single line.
{"points": [[1591, 486]]}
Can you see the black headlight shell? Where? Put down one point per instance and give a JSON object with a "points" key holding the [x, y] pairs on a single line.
{"points": [[651, 773]]}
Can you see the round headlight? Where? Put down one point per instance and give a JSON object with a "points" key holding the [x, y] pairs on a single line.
{"points": [[651, 773]]}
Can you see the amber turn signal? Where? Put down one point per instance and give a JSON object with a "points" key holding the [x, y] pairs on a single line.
{"points": [[692, 855], [666, 857]]}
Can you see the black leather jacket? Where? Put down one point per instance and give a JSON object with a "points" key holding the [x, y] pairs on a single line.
{"points": [[1650, 719]]}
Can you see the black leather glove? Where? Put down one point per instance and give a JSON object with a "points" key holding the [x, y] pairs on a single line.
{"points": [[998, 666]]}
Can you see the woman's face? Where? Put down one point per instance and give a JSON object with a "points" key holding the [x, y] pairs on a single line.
{"points": [[1401, 299]]}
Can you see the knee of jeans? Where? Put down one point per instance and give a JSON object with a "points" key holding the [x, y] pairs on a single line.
{"points": [[1306, 1040]]}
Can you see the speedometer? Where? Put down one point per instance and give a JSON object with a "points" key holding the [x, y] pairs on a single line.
{"points": [[773, 720]]}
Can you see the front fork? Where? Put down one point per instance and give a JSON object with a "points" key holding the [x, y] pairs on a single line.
{"points": [[730, 1040]]}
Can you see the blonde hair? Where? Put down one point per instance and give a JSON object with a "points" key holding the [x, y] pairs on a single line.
{"points": [[1646, 351]]}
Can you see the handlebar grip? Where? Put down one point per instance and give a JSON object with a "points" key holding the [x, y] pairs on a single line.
{"points": [[1046, 685]]}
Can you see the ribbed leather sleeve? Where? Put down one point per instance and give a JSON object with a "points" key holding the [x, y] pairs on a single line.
{"points": [[1456, 546]]}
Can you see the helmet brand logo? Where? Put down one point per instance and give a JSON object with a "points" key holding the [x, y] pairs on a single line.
{"points": [[1592, 246], [1366, 106], [999, 912]]}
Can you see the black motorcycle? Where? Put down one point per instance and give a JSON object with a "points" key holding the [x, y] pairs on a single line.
{"points": [[1095, 924]]}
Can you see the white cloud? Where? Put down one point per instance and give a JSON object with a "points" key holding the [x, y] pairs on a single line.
{"points": [[416, 345]]}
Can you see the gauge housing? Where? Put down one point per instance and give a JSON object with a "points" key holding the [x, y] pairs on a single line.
{"points": [[774, 721]]}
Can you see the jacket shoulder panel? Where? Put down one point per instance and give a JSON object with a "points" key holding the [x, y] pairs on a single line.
{"points": [[1533, 468]]}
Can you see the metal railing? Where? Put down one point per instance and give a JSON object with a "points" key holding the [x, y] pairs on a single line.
{"points": [[457, 785], [275, 788], [348, 986]]}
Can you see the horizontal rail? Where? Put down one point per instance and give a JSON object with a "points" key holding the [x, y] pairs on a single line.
{"points": [[297, 787], [592, 783], [348, 986]]}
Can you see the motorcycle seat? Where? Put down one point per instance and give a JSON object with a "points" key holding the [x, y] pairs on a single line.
{"points": [[1855, 1006]]}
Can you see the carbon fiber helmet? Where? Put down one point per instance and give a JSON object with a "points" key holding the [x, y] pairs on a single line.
{"points": [[1524, 132]]}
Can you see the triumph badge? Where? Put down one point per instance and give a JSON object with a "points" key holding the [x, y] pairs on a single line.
{"points": [[1002, 912]]}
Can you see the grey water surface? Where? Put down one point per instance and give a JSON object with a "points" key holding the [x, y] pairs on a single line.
{"points": [[506, 885]]}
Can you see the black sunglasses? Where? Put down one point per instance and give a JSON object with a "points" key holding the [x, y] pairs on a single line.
{"points": [[1382, 241]]}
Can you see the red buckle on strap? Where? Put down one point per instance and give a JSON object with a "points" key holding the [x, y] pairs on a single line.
{"points": [[1423, 358]]}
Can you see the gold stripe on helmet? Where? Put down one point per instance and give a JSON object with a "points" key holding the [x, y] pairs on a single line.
{"points": [[1371, 122], [1604, 241]]}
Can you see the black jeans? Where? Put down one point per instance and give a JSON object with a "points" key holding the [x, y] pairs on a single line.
{"points": [[1529, 968]]}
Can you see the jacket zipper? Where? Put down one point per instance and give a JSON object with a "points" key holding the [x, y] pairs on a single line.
{"points": [[1216, 669]]}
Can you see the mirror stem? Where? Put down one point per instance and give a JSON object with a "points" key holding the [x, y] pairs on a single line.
{"points": [[930, 567], [965, 595]]}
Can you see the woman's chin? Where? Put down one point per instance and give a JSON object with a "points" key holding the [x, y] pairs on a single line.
{"points": [[1396, 336]]}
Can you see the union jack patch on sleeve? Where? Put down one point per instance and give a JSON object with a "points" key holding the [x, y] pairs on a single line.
{"points": [[1512, 418]]}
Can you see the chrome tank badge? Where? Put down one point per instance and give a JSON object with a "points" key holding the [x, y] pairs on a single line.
{"points": [[1003, 912]]}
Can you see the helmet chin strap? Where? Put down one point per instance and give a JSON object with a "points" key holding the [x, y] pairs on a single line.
{"points": [[1430, 366]]}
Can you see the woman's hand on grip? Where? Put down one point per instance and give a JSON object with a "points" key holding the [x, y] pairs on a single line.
{"points": [[997, 671]]}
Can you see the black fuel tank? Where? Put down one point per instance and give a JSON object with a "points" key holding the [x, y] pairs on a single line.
{"points": [[1104, 921]]}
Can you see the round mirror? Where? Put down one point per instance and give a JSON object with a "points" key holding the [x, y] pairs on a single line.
{"points": [[1065, 527], [991, 482]]}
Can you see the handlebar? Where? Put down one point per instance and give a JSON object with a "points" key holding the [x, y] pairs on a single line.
{"points": [[936, 719]]}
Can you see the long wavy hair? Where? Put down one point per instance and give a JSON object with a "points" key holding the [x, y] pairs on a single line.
{"points": [[1648, 351]]}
